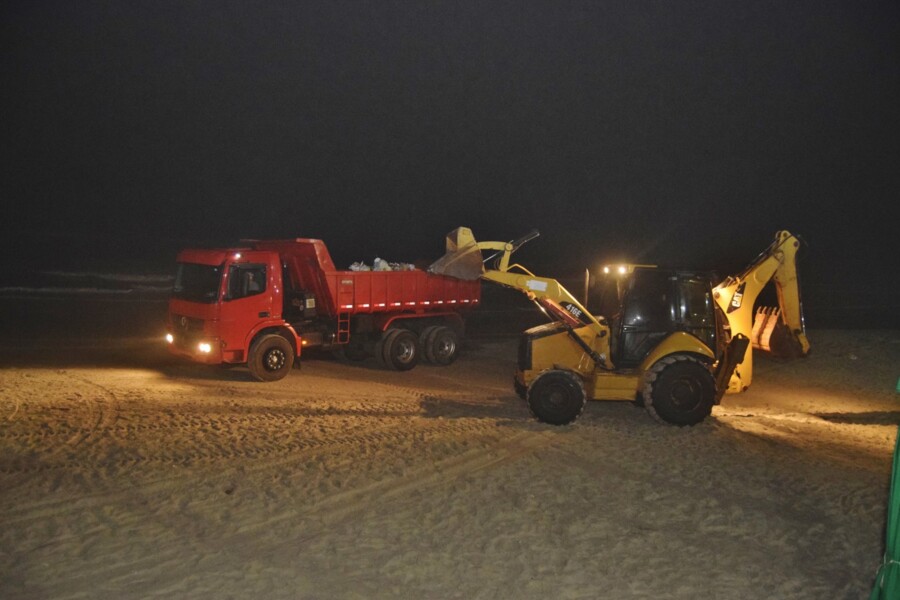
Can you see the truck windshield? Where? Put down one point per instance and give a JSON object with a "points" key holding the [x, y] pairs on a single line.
{"points": [[197, 283]]}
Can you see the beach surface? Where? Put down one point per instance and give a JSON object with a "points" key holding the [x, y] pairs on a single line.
{"points": [[125, 473]]}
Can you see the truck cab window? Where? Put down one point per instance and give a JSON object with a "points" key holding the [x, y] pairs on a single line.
{"points": [[246, 280], [197, 283]]}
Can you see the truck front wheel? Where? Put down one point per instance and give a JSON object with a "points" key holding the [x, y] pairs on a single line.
{"points": [[556, 397], [679, 390], [271, 358]]}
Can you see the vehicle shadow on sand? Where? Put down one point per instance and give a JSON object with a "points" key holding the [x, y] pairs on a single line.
{"points": [[510, 409], [891, 417], [502, 408]]}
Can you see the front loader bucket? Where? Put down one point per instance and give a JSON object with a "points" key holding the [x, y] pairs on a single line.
{"points": [[771, 335], [463, 258]]}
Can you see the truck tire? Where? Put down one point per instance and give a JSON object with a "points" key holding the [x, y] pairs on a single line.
{"points": [[400, 350], [423, 341], [271, 358], [679, 390], [379, 347], [556, 397], [442, 346]]}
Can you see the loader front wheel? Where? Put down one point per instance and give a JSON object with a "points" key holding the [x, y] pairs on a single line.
{"points": [[556, 397], [679, 390], [271, 358]]}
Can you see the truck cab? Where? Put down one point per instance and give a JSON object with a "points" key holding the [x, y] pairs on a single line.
{"points": [[221, 300]]}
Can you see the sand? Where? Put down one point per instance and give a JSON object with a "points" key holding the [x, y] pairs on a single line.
{"points": [[125, 474]]}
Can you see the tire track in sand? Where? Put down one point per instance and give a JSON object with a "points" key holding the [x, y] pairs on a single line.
{"points": [[252, 460], [340, 507], [93, 415]]}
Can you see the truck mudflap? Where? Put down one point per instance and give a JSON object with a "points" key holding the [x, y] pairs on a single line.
{"points": [[733, 355]]}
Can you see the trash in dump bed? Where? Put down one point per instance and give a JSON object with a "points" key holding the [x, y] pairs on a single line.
{"points": [[382, 265]]}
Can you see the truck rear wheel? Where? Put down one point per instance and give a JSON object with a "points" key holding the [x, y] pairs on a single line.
{"points": [[400, 349], [423, 341], [441, 346], [556, 397], [679, 390], [271, 358], [379, 347]]}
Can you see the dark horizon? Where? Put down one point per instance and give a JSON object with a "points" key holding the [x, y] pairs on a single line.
{"points": [[676, 134]]}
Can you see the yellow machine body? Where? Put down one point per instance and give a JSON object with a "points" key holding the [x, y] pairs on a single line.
{"points": [[578, 343]]}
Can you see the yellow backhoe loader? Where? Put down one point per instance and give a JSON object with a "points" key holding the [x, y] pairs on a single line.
{"points": [[672, 340]]}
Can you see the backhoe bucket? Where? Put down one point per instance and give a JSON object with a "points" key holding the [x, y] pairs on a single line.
{"points": [[463, 258], [771, 335]]}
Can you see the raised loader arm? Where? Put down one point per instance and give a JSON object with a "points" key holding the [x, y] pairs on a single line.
{"points": [[464, 260], [778, 330]]}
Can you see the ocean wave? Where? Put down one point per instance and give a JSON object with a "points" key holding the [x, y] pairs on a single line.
{"points": [[62, 290], [117, 277]]}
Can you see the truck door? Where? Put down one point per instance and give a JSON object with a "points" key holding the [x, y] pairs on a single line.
{"points": [[247, 300]]}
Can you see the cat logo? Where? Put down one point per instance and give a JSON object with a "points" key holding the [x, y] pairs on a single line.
{"points": [[738, 298]]}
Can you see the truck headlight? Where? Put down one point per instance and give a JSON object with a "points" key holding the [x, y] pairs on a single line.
{"points": [[204, 347], [170, 338]]}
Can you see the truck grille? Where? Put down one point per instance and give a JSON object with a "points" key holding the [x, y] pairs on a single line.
{"points": [[186, 329]]}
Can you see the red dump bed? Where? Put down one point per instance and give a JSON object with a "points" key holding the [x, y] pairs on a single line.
{"points": [[310, 268], [381, 291]]}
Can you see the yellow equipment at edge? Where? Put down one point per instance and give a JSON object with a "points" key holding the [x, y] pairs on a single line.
{"points": [[565, 362]]}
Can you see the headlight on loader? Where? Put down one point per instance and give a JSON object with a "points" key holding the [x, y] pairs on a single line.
{"points": [[204, 347], [170, 338]]}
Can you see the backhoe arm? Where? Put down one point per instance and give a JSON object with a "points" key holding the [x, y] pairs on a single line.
{"points": [[737, 295]]}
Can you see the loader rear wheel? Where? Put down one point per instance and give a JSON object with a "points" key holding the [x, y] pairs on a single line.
{"points": [[442, 346], [679, 390], [556, 397], [271, 358], [401, 350]]}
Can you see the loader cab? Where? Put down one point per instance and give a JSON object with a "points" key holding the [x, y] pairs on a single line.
{"points": [[644, 305]]}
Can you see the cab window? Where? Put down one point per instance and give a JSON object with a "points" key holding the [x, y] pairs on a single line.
{"points": [[246, 280]]}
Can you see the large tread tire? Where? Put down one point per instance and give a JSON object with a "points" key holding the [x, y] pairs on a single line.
{"points": [[556, 397], [271, 358], [423, 342], [442, 346], [380, 344], [401, 350], [679, 390]]}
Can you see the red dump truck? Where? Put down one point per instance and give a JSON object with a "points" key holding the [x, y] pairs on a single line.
{"points": [[263, 303]]}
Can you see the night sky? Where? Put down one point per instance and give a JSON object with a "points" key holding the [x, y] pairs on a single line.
{"points": [[680, 133]]}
